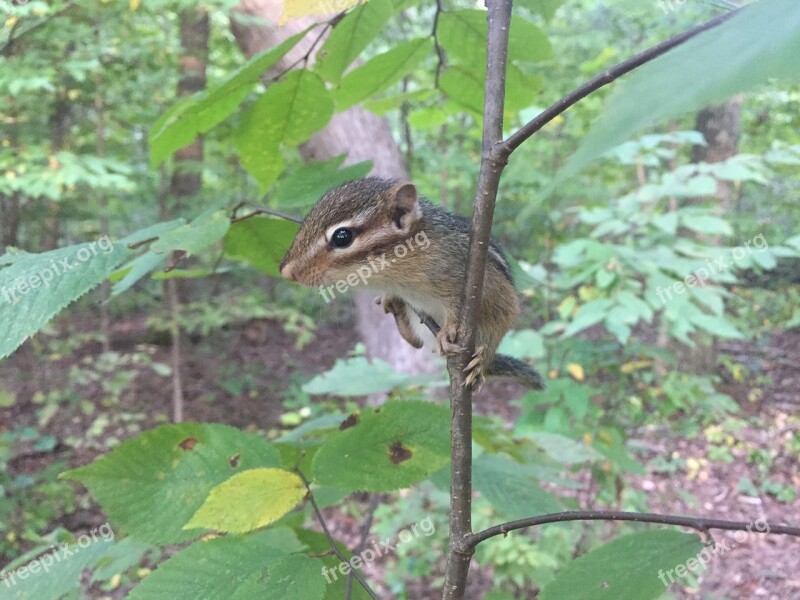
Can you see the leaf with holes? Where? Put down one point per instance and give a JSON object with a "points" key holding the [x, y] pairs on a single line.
{"points": [[386, 448], [151, 485]]}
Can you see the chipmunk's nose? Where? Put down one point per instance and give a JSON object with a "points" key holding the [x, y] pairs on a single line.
{"points": [[286, 269]]}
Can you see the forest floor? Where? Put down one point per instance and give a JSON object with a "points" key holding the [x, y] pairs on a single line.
{"points": [[245, 376]]}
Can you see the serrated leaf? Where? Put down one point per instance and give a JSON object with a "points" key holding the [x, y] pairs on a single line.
{"points": [[151, 485], [290, 578], [135, 270], [628, 567], [70, 273], [350, 37], [194, 236], [386, 448], [380, 72], [260, 241], [217, 568], [249, 500], [196, 114], [712, 66], [63, 575], [319, 545], [281, 115]]}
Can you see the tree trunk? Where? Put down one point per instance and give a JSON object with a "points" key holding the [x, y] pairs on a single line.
{"points": [[720, 126], [187, 174], [359, 134]]}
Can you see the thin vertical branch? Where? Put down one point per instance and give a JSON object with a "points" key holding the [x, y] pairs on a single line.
{"points": [[492, 164]]}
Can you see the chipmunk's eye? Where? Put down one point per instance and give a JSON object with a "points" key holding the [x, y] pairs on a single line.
{"points": [[342, 238]]}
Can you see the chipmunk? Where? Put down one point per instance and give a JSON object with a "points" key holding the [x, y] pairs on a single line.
{"points": [[369, 227]]}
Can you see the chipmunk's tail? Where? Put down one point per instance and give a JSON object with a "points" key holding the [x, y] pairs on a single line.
{"points": [[505, 366]]}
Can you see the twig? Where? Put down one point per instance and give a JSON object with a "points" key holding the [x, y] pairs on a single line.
{"points": [[440, 62], [603, 79], [260, 210], [701, 524], [327, 533], [362, 543], [492, 163]]}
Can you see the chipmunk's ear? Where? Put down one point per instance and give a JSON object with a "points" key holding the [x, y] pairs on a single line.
{"points": [[403, 207]]}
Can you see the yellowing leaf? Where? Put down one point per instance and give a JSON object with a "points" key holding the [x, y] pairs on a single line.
{"points": [[635, 365], [134, 4], [313, 8], [576, 371], [249, 500]]}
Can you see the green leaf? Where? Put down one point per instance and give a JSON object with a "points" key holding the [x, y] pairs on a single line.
{"points": [[510, 489], [249, 500], [135, 270], [386, 448], [283, 114], [628, 567], [198, 113], [64, 567], [290, 578], [719, 326], [526, 343], [380, 72], [589, 314], [546, 8], [319, 545], [194, 236], [261, 241], [463, 35], [217, 568], [707, 224], [35, 287], [360, 377], [350, 37], [152, 484], [464, 87], [713, 66], [306, 185], [563, 449]]}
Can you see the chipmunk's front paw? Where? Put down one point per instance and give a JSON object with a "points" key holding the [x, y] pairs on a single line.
{"points": [[392, 305], [447, 340], [474, 370]]}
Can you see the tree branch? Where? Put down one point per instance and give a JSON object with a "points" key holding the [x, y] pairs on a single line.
{"points": [[701, 524], [492, 163], [331, 541], [603, 79]]}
